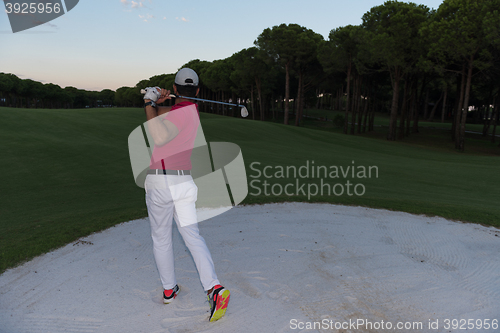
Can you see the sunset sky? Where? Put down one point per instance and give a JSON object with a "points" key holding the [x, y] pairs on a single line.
{"points": [[107, 44]]}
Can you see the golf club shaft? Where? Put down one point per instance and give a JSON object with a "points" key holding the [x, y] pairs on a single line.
{"points": [[207, 100], [200, 99]]}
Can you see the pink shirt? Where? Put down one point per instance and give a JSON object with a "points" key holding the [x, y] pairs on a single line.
{"points": [[176, 154]]}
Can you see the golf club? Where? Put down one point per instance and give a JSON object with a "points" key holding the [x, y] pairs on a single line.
{"points": [[244, 111]]}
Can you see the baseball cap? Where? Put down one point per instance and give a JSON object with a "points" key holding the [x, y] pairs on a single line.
{"points": [[186, 77]]}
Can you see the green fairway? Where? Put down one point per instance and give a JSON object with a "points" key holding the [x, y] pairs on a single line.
{"points": [[66, 173]]}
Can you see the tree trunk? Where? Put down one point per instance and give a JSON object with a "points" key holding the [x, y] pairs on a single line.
{"points": [[365, 110], [360, 101], [458, 113], [233, 100], [340, 96], [488, 114], [394, 107], [486, 120], [298, 99], [346, 120], [413, 105], [403, 111], [287, 91], [416, 118], [252, 102], [431, 116], [302, 101], [318, 98], [461, 141], [426, 105], [354, 103], [416, 115], [495, 119], [337, 100], [259, 95], [220, 109], [371, 125], [214, 107], [444, 103], [222, 105], [273, 106]]}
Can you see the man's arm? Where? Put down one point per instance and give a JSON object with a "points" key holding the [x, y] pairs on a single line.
{"points": [[162, 132]]}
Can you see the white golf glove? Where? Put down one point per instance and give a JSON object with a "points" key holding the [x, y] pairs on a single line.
{"points": [[152, 93]]}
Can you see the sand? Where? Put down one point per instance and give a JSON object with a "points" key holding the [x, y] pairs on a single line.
{"points": [[289, 267]]}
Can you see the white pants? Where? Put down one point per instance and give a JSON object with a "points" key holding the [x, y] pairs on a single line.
{"points": [[172, 196]]}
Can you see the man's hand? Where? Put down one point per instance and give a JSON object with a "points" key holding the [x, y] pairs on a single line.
{"points": [[152, 93], [164, 95]]}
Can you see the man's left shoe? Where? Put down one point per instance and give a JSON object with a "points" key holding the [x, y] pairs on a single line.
{"points": [[218, 300], [170, 294]]}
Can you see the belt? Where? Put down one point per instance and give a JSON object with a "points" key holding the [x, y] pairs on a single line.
{"points": [[169, 172]]}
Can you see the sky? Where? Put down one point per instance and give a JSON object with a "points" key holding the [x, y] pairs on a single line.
{"points": [[108, 44]]}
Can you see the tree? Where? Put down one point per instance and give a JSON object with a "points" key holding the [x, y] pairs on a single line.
{"points": [[307, 67], [339, 54], [249, 69], [38, 93], [462, 32], [217, 79], [393, 31], [107, 96], [128, 96], [53, 93], [6, 86], [288, 46]]}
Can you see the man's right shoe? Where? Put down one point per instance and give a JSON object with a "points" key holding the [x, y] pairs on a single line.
{"points": [[218, 300], [170, 294]]}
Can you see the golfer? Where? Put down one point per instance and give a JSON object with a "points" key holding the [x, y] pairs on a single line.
{"points": [[171, 192]]}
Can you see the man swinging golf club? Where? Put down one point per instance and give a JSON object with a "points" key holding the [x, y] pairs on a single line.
{"points": [[171, 192]]}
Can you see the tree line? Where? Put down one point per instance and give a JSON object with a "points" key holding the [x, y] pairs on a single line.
{"points": [[26, 93], [404, 59]]}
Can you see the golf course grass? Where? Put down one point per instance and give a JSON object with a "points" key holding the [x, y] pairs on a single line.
{"points": [[66, 173]]}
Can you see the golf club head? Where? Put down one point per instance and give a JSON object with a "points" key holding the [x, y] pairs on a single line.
{"points": [[244, 112]]}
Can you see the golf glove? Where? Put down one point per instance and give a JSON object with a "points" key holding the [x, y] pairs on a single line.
{"points": [[152, 93]]}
